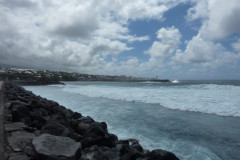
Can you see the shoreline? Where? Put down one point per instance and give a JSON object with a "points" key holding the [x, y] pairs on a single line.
{"points": [[40, 83], [32, 119]]}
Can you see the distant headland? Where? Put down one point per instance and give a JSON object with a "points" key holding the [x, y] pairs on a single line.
{"points": [[45, 77]]}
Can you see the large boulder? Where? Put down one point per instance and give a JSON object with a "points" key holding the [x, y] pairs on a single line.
{"points": [[159, 154], [100, 153], [15, 126], [20, 113], [56, 147], [19, 140], [76, 115], [87, 120], [127, 152], [37, 118], [95, 131], [137, 146], [56, 129]]}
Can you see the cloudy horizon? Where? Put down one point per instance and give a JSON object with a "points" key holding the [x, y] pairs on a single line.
{"points": [[173, 39]]}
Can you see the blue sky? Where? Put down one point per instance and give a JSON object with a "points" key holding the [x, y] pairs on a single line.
{"points": [[174, 39]]}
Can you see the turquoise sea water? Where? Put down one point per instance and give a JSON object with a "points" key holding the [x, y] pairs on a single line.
{"points": [[197, 120]]}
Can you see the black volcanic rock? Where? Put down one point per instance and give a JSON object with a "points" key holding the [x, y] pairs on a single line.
{"points": [[56, 129], [76, 115], [100, 153], [20, 113], [55, 147], [159, 154]]}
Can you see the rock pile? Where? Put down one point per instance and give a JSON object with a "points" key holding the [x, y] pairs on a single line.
{"points": [[40, 129]]}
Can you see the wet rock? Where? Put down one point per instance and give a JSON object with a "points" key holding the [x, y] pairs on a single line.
{"points": [[67, 113], [87, 120], [17, 102], [77, 137], [29, 151], [96, 131], [59, 119], [51, 147], [104, 141], [7, 105], [74, 125], [134, 154], [20, 113], [87, 142], [104, 126], [159, 154], [37, 118], [15, 126], [100, 153], [22, 99], [19, 140], [18, 157], [36, 113], [76, 115], [128, 152], [83, 126], [137, 146], [56, 129]]}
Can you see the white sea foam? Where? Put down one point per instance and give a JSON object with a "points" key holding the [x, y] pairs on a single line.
{"points": [[206, 98], [175, 81]]}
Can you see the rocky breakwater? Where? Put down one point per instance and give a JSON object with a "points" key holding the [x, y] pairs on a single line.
{"points": [[39, 129]]}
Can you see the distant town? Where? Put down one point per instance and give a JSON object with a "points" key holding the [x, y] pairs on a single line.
{"points": [[18, 74]]}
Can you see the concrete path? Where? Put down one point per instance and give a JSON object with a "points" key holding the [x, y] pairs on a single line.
{"points": [[1, 123], [1, 82]]}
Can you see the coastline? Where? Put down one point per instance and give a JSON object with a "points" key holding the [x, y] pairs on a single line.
{"points": [[38, 118], [35, 82]]}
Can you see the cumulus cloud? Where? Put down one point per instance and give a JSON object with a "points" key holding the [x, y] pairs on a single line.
{"points": [[75, 36], [90, 36], [220, 18], [169, 39], [236, 45], [219, 21], [73, 20], [206, 54], [198, 50], [114, 30]]}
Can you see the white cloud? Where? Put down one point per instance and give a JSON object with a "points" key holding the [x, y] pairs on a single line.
{"points": [[206, 54], [114, 30], [236, 45], [198, 11], [197, 50], [138, 9], [78, 35], [73, 20], [219, 20], [169, 39], [88, 36], [220, 17]]}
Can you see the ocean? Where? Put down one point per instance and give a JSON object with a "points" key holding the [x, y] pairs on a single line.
{"points": [[196, 120]]}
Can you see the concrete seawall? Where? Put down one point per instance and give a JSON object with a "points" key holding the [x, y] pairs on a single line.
{"points": [[1, 122]]}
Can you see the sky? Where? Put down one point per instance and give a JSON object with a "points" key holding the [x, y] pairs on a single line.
{"points": [[170, 39]]}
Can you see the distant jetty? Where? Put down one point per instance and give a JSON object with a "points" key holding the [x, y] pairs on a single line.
{"points": [[38, 129]]}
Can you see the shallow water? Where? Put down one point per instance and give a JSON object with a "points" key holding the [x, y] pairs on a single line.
{"points": [[173, 117]]}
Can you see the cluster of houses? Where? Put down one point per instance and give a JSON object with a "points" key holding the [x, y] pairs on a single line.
{"points": [[35, 74]]}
